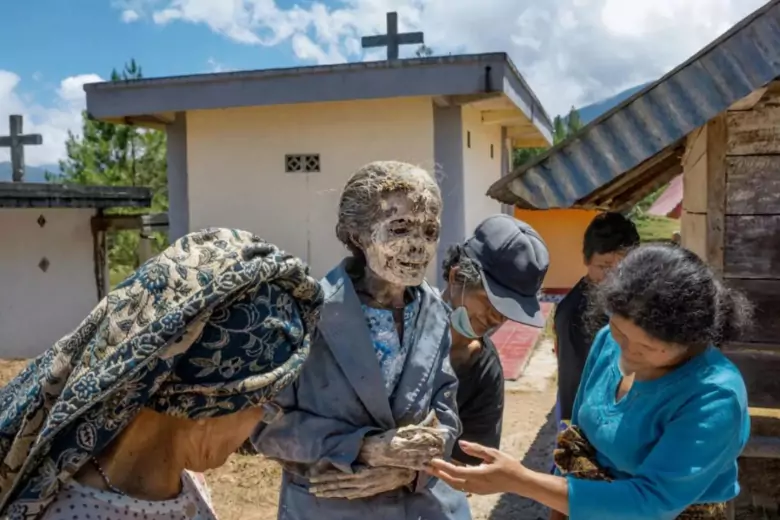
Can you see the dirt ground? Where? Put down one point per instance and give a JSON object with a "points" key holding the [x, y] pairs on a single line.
{"points": [[246, 487], [528, 434]]}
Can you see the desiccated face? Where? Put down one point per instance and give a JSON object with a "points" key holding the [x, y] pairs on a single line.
{"points": [[402, 243]]}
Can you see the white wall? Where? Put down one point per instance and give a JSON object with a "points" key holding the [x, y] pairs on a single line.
{"points": [[480, 169], [236, 175], [37, 308]]}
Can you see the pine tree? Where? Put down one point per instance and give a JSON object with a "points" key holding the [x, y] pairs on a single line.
{"points": [[119, 155]]}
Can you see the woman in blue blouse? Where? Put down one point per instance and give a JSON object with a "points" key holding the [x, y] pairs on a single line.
{"points": [[663, 408]]}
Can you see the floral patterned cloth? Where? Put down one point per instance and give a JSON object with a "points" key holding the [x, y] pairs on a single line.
{"points": [[390, 350], [218, 322]]}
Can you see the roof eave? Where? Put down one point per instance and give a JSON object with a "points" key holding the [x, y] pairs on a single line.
{"points": [[442, 76], [51, 195], [152, 102]]}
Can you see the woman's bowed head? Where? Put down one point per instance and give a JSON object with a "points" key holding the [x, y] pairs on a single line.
{"points": [[167, 376], [677, 406]]}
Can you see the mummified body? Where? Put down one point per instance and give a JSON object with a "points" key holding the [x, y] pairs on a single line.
{"points": [[376, 400]]}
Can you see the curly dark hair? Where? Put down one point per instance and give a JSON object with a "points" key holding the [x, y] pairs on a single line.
{"points": [[673, 296], [609, 233], [469, 274]]}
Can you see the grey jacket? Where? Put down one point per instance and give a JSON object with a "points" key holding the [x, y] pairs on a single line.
{"points": [[340, 398]]}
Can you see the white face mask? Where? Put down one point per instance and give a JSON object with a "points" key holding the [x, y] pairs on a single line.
{"points": [[461, 322], [402, 246]]}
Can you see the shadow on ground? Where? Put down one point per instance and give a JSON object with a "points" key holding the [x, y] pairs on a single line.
{"points": [[539, 458]]}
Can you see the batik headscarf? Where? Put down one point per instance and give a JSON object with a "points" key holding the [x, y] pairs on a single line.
{"points": [[218, 322]]}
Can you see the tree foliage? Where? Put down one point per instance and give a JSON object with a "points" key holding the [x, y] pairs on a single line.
{"points": [[423, 51], [563, 127], [119, 155]]}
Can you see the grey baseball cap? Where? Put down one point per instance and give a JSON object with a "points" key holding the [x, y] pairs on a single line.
{"points": [[514, 260]]}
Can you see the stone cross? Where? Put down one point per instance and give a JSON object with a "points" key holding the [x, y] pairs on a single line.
{"points": [[392, 40], [16, 142]]}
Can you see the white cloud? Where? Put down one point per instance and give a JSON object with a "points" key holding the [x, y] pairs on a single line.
{"points": [[72, 89], [571, 52], [52, 122], [215, 67], [130, 16]]}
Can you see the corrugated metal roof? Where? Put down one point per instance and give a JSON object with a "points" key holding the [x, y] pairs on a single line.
{"points": [[745, 58]]}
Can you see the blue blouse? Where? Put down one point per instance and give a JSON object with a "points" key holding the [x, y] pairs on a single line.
{"points": [[670, 442], [390, 351]]}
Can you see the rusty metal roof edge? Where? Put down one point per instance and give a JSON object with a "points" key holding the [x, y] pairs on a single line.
{"points": [[588, 157]]}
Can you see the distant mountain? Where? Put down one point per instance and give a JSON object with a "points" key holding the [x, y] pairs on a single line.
{"points": [[590, 112], [31, 173]]}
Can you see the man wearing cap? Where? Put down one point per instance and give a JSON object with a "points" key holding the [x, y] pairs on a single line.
{"points": [[494, 276]]}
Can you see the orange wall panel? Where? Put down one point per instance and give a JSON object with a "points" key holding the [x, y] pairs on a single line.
{"points": [[562, 231]]}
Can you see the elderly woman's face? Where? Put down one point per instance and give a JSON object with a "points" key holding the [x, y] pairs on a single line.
{"points": [[484, 318], [209, 442], [401, 244], [640, 352]]}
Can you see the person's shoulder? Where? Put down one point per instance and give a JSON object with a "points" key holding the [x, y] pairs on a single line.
{"points": [[432, 295], [489, 361], [710, 392], [578, 291], [572, 299], [603, 343], [719, 376]]}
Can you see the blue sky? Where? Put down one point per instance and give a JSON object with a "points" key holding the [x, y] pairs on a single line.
{"points": [[571, 52], [66, 40]]}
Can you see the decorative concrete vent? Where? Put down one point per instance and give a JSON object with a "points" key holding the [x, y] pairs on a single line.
{"points": [[302, 163]]}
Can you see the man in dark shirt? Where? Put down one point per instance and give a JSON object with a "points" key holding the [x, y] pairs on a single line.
{"points": [[607, 240], [495, 276]]}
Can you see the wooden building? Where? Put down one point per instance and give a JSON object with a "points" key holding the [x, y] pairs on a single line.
{"points": [[715, 119]]}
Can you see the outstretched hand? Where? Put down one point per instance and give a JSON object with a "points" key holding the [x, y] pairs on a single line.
{"points": [[498, 473]]}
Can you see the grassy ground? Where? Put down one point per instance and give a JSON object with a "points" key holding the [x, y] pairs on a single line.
{"points": [[652, 229]]}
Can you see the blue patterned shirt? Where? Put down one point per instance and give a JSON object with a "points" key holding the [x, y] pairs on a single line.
{"points": [[390, 351]]}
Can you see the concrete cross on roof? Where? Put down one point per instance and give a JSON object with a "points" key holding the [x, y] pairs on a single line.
{"points": [[392, 40], [16, 142]]}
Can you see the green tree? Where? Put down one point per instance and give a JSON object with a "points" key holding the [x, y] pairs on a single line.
{"points": [[563, 128], [119, 155], [423, 51]]}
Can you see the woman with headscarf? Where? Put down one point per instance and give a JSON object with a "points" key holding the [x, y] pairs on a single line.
{"points": [[166, 377]]}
